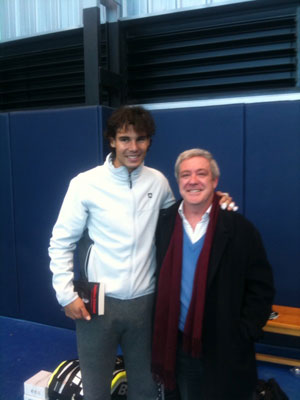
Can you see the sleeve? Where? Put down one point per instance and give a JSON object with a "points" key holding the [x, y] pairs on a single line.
{"points": [[169, 198], [67, 231], [259, 290]]}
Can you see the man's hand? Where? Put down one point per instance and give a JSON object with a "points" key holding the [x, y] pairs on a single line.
{"points": [[77, 310], [226, 202]]}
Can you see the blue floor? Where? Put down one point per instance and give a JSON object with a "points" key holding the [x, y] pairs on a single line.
{"points": [[26, 348], [287, 380]]}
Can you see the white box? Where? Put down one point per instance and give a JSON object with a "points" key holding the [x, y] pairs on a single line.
{"points": [[36, 387], [28, 397]]}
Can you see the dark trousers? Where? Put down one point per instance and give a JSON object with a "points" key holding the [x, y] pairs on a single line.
{"points": [[190, 375]]}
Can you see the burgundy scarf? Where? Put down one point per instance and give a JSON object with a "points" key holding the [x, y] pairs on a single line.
{"points": [[168, 303]]}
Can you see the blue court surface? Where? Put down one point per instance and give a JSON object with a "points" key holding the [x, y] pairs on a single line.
{"points": [[27, 347]]}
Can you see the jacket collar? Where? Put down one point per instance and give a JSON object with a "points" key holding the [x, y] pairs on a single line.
{"points": [[221, 237], [122, 173]]}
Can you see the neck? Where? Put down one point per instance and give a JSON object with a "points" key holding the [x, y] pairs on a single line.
{"points": [[194, 212]]}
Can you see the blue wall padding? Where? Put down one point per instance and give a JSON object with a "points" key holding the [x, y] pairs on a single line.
{"points": [[272, 182], [257, 147], [48, 149], [217, 129], [9, 300]]}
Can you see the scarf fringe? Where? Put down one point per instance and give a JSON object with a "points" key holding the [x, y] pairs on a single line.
{"points": [[166, 378]]}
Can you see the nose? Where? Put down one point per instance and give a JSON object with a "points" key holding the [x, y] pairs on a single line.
{"points": [[193, 179], [133, 145]]}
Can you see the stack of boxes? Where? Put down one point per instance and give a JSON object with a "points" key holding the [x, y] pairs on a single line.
{"points": [[36, 387]]}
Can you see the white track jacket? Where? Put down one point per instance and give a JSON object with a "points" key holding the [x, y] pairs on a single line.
{"points": [[120, 211]]}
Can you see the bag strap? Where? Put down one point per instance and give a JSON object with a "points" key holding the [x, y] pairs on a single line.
{"points": [[84, 247]]}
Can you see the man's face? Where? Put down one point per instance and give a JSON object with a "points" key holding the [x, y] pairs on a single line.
{"points": [[196, 183], [131, 148]]}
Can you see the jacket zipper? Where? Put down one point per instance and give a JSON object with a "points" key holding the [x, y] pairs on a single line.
{"points": [[130, 180], [134, 234]]}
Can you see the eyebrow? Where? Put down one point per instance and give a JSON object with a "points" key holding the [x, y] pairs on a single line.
{"points": [[197, 170], [124, 135]]}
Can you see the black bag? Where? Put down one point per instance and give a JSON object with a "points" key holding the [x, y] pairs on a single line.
{"points": [[91, 293], [269, 390], [66, 384]]}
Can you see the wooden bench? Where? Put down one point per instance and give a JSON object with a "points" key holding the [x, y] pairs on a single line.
{"points": [[287, 323]]}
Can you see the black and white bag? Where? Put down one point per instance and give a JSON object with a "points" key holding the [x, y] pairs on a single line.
{"points": [[66, 383]]}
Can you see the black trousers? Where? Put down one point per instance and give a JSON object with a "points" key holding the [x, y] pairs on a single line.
{"points": [[190, 375]]}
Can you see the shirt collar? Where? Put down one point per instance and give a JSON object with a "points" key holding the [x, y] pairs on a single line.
{"points": [[204, 217]]}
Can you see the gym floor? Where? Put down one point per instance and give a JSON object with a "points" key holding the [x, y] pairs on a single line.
{"points": [[27, 347]]}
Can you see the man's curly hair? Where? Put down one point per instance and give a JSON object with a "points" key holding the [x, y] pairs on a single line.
{"points": [[137, 116]]}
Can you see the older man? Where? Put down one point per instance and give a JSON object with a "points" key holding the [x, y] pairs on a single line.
{"points": [[215, 290]]}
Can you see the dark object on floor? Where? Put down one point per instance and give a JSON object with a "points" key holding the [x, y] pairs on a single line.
{"points": [[66, 384], [269, 390]]}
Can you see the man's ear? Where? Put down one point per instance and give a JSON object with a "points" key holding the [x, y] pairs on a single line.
{"points": [[112, 142]]}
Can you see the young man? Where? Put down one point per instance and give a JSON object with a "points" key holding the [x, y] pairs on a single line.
{"points": [[118, 202], [215, 290]]}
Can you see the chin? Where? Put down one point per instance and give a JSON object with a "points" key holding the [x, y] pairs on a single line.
{"points": [[133, 165]]}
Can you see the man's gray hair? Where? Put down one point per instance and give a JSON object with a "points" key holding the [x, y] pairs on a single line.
{"points": [[197, 153]]}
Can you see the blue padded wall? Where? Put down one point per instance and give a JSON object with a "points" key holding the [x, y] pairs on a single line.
{"points": [[9, 301], [48, 149], [218, 129], [273, 189], [257, 147]]}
